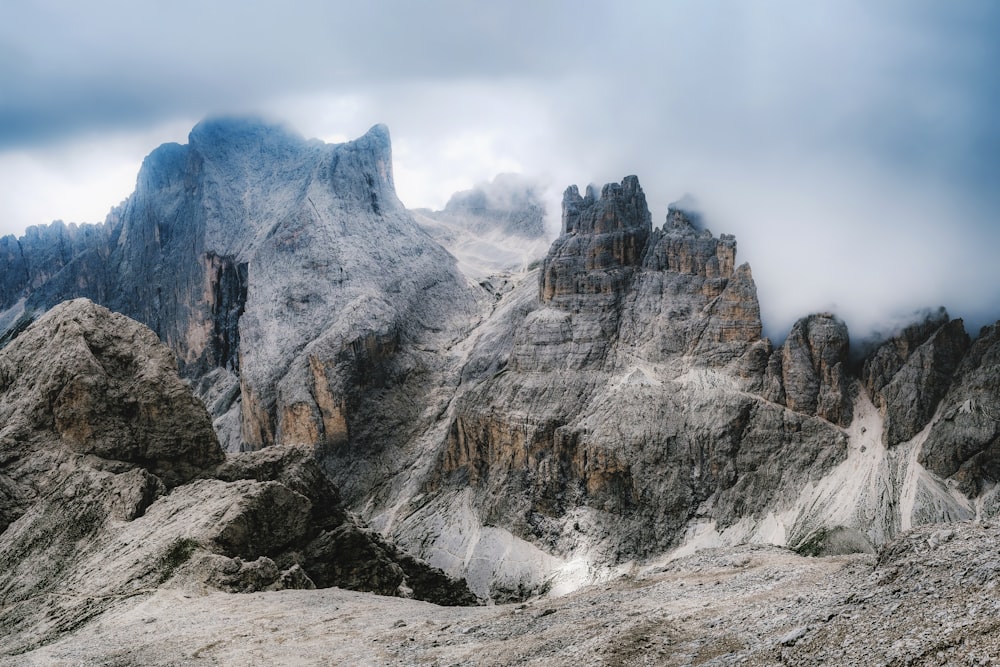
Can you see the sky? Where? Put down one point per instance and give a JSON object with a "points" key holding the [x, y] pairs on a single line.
{"points": [[851, 146]]}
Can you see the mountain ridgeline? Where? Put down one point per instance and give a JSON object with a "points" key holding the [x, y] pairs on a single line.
{"points": [[615, 402]]}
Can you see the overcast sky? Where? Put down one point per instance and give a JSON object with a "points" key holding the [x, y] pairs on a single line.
{"points": [[852, 146]]}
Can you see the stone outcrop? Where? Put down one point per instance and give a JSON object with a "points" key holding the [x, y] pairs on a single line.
{"points": [[908, 375], [103, 387], [809, 373], [603, 239], [964, 443], [112, 484]]}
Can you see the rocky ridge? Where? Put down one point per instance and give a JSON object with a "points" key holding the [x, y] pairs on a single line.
{"points": [[536, 430], [748, 605], [114, 484]]}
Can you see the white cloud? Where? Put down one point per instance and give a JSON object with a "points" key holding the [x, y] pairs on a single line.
{"points": [[851, 146]]}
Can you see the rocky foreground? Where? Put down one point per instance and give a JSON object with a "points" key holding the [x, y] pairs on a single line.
{"points": [[112, 484], [928, 599]]}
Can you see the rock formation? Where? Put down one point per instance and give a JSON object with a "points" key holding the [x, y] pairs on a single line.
{"points": [[810, 373], [909, 374], [964, 444], [624, 410], [294, 288], [493, 228], [615, 402], [112, 483]]}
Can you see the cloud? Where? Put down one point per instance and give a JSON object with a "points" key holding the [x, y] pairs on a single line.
{"points": [[850, 146]]}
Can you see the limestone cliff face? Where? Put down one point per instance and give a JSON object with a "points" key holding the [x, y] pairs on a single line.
{"points": [[809, 373], [613, 403], [908, 375], [964, 443], [625, 410], [285, 274], [602, 242]]}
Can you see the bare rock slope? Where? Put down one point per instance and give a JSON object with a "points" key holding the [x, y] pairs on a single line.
{"points": [[530, 431], [113, 484], [749, 605]]}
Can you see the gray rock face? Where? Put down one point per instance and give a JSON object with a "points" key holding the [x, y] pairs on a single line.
{"points": [[285, 275], [625, 410], [113, 483], [617, 402], [809, 373], [30, 263], [965, 442], [602, 241], [909, 374], [103, 387]]}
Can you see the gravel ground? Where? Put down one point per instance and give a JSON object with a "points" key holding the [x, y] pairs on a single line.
{"points": [[928, 599]]}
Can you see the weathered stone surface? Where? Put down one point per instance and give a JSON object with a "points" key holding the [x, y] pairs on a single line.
{"points": [[965, 442], [909, 374], [624, 411], [240, 250], [623, 404], [603, 239], [112, 484], [102, 385], [809, 372]]}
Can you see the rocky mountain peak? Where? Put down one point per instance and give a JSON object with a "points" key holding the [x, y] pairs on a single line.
{"points": [[240, 133], [909, 374], [510, 203], [682, 222], [603, 240], [809, 373], [621, 206]]}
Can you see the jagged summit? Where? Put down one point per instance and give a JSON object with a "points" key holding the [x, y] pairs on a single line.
{"points": [[684, 222], [619, 207], [616, 403], [242, 248]]}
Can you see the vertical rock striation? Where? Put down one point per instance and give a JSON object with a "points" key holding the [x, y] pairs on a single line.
{"points": [[809, 373], [908, 375], [284, 274], [626, 408]]}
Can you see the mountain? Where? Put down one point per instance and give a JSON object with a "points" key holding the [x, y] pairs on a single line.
{"points": [[534, 430], [114, 483], [494, 228]]}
